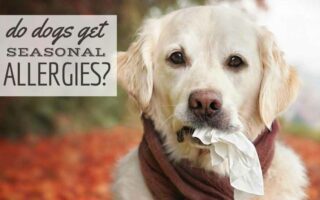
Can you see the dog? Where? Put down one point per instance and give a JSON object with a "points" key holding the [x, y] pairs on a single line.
{"points": [[209, 59]]}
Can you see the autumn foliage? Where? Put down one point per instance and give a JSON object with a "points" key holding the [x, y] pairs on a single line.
{"points": [[74, 166], [79, 166]]}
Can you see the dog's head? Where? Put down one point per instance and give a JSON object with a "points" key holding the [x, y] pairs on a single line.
{"points": [[207, 66]]}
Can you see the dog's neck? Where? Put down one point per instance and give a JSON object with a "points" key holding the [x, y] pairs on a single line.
{"points": [[166, 178]]}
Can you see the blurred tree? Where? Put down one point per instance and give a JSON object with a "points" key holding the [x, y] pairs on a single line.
{"points": [[51, 115]]}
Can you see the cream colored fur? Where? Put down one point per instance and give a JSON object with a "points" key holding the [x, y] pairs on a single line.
{"points": [[253, 96]]}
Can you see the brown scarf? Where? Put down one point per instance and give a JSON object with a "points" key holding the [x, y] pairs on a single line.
{"points": [[170, 181]]}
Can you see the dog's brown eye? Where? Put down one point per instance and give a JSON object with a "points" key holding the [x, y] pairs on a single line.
{"points": [[177, 58], [235, 61]]}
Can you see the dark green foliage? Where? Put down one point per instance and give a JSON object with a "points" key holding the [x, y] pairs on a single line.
{"points": [[47, 115]]}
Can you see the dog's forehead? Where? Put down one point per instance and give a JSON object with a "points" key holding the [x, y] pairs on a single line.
{"points": [[207, 22]]}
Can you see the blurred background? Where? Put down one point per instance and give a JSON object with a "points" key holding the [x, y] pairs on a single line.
{"points": [[65, 148]]}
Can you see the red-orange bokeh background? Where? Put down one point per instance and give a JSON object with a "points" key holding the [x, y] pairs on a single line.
{"points": [[79, 167]]}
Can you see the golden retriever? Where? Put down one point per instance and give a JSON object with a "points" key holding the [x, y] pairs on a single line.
{"points": [[211, 55]]}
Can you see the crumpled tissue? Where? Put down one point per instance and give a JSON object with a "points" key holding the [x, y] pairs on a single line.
{"points": [[244, 167]]}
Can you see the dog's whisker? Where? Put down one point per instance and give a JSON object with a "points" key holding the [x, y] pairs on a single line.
{"points": [[168, 105], [166, 121]]}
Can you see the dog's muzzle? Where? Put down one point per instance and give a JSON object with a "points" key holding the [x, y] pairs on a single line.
{"points": [[205, 109]]}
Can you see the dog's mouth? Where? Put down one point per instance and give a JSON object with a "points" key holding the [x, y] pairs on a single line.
{"points": [[186, 132]]}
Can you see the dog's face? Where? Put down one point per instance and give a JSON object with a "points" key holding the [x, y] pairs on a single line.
{"points": [[207, 66]]}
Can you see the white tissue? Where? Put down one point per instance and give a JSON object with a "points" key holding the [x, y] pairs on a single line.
{"points": [[244, 167]]}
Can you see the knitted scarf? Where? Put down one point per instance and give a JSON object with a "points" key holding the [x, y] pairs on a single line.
{"points": [[171, 181]]}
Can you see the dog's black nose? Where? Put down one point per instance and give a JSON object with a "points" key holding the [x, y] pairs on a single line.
{"points": [[205, 103]]}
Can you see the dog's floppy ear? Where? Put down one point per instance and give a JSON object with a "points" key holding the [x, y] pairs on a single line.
{"points": [[135, 66], [280, 83]]}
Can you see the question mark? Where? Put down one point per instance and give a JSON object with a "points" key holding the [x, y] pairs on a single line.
{"points": [[108, 70]]}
